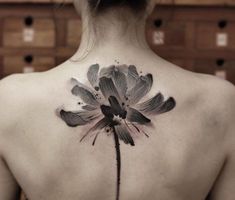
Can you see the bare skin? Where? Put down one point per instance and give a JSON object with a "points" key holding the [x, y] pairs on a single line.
{"points": [[189, 154]]}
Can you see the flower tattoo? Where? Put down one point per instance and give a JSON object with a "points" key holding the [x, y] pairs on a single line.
{"points": [[113, 105]]}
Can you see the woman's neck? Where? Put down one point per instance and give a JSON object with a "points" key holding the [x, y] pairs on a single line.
{"points": [[111, 36]]}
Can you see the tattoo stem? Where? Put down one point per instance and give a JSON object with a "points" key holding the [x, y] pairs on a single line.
{"points": [[118, 157]]}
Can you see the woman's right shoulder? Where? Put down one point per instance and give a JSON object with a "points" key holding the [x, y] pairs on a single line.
{"points": [[14, 85], [10, 88], [11, 105], [16, 93]]}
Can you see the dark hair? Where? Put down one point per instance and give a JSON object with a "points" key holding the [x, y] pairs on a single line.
{"points": [[101, 5]]}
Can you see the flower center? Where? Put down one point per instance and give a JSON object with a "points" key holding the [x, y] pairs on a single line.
{"points": [[115, 112]]}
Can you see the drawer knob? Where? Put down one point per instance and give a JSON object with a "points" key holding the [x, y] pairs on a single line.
{"points": [[222, 24], [158, 23], [29, 21], [28, 59], [220, 62]]}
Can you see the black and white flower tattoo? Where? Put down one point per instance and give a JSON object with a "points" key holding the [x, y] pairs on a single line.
{"points": [[113, 105]]}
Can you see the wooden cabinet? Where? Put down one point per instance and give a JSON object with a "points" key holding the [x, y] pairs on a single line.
{"points": [[177, 2], [216, 35], [201, 2], [74, 31], [200, 39], [191, 37], [28, 32], [166, 34], [36, 37], [26, 64], [220, 67]]}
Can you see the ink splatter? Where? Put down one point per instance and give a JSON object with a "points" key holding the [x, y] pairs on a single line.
{"points": [[113, 104]]}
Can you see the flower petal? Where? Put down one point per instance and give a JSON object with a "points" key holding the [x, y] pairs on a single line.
{"points": [[124, 134], [87, 96], [141, 88], [97, 127], [120, 81], [92, 75], [166, 106], [134, 115], [116, 108], [108, 88], [101, 124], [123, 68], [132, 76], [107, 71], [81, 118], [151, 104], [115, 104], [107, 111], [89, 108]]}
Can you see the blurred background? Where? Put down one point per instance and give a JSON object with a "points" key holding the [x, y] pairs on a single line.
{"points": [[198, 35]]}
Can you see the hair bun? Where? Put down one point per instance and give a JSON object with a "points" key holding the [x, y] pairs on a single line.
{"points": [[104, 4]]}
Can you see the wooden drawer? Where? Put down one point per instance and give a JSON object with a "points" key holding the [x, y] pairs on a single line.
{"points": [[220, 67], [202, 2], [1, 67], [162, 33], [74, 31], [25, 64], [60, 60], [216, 35], [28, 32]]}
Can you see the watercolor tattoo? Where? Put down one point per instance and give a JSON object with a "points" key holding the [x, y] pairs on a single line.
{"points": [[112, 105]]}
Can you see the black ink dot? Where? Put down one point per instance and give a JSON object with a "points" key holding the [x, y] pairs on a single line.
{"points": [[123, 103], [79, 103], [117, 61], [97, 88], [124, 114]]}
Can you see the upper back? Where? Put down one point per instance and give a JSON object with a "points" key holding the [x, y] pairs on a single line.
{"points": [[164, 118]]}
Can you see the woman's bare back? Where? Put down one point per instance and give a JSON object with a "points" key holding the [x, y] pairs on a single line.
{"points": [[159, 132], [167, 153]]}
